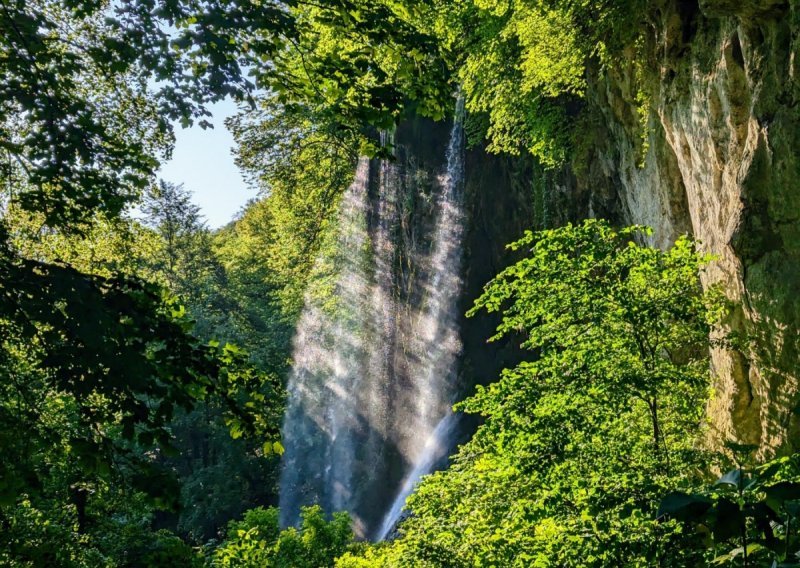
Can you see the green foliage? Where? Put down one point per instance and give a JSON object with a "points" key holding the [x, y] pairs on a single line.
{"points": [[98, 359], [107, 390], [302, 164], [88, 89], [88, 523], [362, 62], [219, 477], [106, 246], [519, 61], [32, 537], [132, 545], [257, 541], [520, 65], [591, 299], [170, 213], [118, 348], [578, 444], [523, 64], [748, 517]]}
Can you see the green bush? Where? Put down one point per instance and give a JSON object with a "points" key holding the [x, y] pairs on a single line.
{"points": [[257, 541]]}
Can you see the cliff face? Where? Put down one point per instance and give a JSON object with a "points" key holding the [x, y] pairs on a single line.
{"points": [[698, 134], [500, 205], [715, 154]]}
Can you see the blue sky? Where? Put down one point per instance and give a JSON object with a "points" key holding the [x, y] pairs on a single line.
{"points": [[203, 162]]}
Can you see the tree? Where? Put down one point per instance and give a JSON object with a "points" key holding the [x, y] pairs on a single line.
{"points": [[184, 259], [258, 541], [98, 368], [89, 88], [628, 318], [579, 443]]}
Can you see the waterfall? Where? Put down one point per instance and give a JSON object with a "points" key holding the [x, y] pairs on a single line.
{"points": [[322, 414], [436, 448], [373, 374], [435, 342]]}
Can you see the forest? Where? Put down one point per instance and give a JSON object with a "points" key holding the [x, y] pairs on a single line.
{"points": [[518, 285]]}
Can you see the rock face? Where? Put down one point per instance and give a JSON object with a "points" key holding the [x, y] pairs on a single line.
{"points": [[698, 134], [716, 153], [500, 206]]}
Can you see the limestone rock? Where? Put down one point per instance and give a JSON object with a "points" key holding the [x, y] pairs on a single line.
{"points": [[717, 156]]}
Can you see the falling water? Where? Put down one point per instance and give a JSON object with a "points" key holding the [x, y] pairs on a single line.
{"points": [[329, 350], [374, 368], [435, 340], [436, 449]]}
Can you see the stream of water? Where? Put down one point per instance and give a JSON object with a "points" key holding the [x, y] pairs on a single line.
{"points": [[374, 370]]}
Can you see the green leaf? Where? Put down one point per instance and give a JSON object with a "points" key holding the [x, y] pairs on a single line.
{"points": [[733, 478], [778, 494], [728, 520], [683, 506]]}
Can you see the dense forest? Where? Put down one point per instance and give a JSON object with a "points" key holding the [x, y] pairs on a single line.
{"points": [[518, 285]]}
